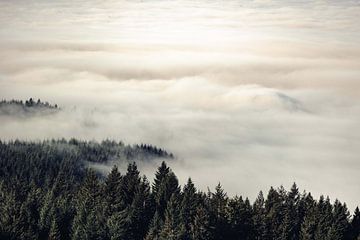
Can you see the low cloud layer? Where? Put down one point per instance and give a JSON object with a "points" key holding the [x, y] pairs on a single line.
{"points": [[249, 93]]}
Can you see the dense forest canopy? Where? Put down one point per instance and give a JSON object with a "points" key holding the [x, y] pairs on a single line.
{"points": [[28, 108], [41, 162], [46, 192]]}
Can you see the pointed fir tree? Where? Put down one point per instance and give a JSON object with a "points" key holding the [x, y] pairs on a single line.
{"points": [[340, 226], [47, 213], [155, 227], [188, 206], [291, 221], [29, 214], [89, 221], [200, 228], [259, 217], [130, 183], [355, 225], [218, 204], [120, 225], [274, 209], [160, 175], [10, 218], [324, 218], [172, 228], [239, 216], [165, 185], [114, 201]]}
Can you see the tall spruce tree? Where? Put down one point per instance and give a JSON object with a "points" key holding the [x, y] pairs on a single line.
{"points": [[323, 218], [307, 212], [240, 218], [119, 225], [130, 183], [291, 222], [355, 225], [172, 229], [188, 206], [200, 227], [89, 222], [165, 185], [155, 227], [340, 223], [218, 204], [274, 209], [259, 217], [114, 201]]}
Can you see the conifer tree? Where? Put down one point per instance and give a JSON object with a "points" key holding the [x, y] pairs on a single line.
{"points": [[308, 227], [218, 204], [29, 214], [172, 229], [324, 218], [130, 183], [355, 225], [165, 185], [155, 227], [141, 210], [239, 216], [340, 226], [10, 218], [120, 225], [47, 213], [188, 206], [274, 209], [89, 221], [200, 227], [259, 217], [291, 222], [160, 175], [112, 190]]}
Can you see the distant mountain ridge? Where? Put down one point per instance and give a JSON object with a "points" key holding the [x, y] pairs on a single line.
{"points": [[27, 107]]}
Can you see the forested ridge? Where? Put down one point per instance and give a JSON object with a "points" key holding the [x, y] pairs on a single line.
{"points": [[47, 192], [41, 162], [26, 108]]}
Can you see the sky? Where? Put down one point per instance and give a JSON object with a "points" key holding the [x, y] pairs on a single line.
{"points": [[249, 93]]}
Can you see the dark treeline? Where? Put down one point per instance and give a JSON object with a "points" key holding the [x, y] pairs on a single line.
{"points": [[45, 193], [41, 162], [28, 103], [29, 107]]}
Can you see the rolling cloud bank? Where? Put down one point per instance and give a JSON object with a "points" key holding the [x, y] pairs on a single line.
{"points": [[248, 93]]}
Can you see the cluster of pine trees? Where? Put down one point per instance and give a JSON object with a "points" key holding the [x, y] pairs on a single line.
{"points": [[127, 207], [29, 108], [41, 162], [28, 103]]}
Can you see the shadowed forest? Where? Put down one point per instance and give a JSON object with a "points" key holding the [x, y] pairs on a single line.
{"points": [[48, 192]]}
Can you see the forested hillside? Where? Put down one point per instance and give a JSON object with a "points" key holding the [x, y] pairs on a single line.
{"points": [[46, 192], [41, 162], [27, 108]]}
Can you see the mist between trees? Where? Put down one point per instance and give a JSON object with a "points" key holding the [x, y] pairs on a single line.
{"points": [[47, 192]]}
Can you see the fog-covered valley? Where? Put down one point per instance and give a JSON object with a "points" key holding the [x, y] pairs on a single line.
{"points": [[249, 93]]}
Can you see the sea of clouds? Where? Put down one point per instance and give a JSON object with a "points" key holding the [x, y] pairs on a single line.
{"points": [[248, 93]]}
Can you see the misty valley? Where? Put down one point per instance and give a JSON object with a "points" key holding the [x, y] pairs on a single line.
{"points": [[179, 120], [77, 189]]}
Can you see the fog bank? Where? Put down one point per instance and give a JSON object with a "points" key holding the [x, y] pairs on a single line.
{"points": [[248, 93]]}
